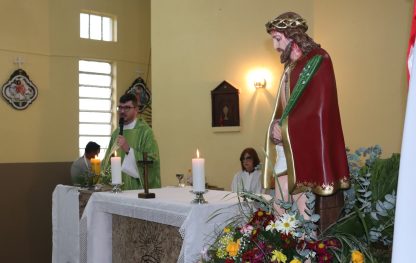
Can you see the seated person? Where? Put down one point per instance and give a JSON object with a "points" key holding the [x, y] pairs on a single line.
{"points": [[81, 167], [249, 178]]}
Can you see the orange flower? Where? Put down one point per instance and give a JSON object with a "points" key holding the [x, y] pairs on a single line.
{"points": [[233, 247], [357, 257]]}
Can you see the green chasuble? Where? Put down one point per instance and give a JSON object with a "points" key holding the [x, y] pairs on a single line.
{"points": [[141, 139]]}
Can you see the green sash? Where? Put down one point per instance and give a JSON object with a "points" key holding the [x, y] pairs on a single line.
{"points": [[305, 76]]}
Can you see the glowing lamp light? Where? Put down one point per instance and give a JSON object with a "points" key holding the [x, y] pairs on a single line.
{"points": [[259, 78], [260, 83]]}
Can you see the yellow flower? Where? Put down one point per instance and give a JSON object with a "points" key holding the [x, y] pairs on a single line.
{"points": [[233, 247], [278, 256], [226, 230], [295, 260], [321, 245], [357, 257], [221, 253], [260, 213]]}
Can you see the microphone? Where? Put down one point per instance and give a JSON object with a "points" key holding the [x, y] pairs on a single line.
{"points": [[121, 125]]}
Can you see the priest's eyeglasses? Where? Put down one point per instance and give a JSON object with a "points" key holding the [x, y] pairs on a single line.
{"points": [[125, 108]]}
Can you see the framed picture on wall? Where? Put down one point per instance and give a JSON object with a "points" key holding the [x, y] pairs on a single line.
{"points": [[225, 106]]}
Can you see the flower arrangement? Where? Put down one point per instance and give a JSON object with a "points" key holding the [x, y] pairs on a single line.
{"points": [[370, 202], [266, 238], [261, 234]]}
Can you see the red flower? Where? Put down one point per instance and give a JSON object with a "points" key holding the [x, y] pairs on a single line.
{"points": [[325, 257], [320, 248], [254, 234], [311, 245], [247, 256], [302, 245], [261, 218], [287, 241], [333, 243], [229, 260], [266, 220]]}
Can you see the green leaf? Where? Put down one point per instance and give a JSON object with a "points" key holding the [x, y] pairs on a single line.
{"points": [[379, 206], [388, 205], [315, 217], [390, 198], [385, 175], [367, 194]]}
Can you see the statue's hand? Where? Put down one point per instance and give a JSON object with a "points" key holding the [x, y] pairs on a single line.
{"points": [[275, 132]]}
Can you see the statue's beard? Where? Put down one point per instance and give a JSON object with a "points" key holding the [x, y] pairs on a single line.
{"points": [[285, 56]]}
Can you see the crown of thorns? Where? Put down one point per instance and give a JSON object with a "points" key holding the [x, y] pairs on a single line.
{"points": [[284, 23]]}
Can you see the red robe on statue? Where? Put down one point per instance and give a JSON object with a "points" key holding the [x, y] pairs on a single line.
{"points": [[312, 135]]}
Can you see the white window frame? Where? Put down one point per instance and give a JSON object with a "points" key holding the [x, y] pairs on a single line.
{"points": [[100, 130], [97, 27]]}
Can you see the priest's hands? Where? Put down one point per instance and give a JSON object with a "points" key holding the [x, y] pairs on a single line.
{"points": [[123, 144]]}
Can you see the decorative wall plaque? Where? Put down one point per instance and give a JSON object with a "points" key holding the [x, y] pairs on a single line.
{"points": [[225, 105], [19, 90], [144, 98], [138, 88]]}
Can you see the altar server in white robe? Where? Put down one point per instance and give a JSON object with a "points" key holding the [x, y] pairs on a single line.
{"points": [[249, 178]]}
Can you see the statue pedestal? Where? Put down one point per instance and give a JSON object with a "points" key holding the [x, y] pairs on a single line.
{"points": [[329, 208]]}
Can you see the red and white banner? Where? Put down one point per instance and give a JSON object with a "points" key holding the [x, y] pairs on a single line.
{"points": [[410, 49], [404, 223]]}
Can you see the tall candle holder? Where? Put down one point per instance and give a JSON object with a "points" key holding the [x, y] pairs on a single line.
{"points": [[199, 197]]}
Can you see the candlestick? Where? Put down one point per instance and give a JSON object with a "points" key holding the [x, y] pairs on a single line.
{"points": [[198, 173], [116, 170]]}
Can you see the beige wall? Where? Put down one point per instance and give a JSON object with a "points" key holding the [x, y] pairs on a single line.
{"points": [[38, 144], [368, 42], [196, 44], [45, 33], [203, 43]]}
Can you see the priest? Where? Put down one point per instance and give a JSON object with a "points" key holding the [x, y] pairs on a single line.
{"points": [[131, 139]]}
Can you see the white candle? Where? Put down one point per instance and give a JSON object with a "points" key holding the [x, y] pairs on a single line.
{"points": [[198, 173], [115, 170]]}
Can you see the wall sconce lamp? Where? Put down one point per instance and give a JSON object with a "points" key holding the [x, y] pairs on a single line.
{"points": [[260, 83], [259, 78]]}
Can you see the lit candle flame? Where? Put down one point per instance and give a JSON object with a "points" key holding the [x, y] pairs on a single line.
{"points": [[197, 153]]}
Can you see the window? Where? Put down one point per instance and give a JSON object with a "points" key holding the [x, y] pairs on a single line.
{"points": [[95, 93], [97, 27]]}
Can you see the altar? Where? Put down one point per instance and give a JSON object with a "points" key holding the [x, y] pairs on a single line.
{"points": [[190, 227]]}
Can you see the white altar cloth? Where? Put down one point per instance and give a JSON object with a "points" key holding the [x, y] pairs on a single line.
{"points": [[65, 224], [172, 206]]}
